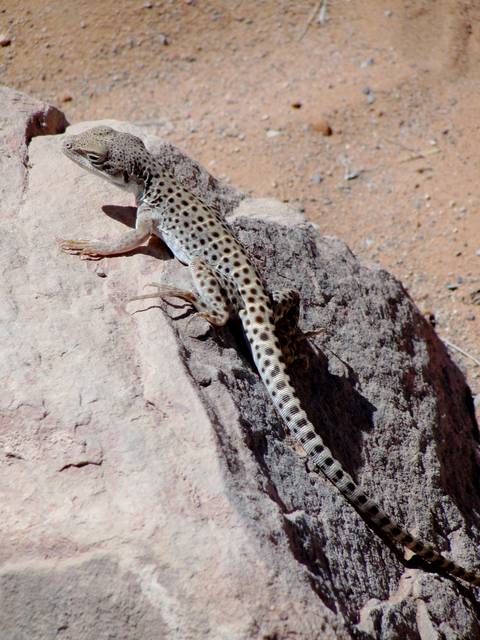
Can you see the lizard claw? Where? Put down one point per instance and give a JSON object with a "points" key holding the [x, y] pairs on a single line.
{"points": [[311, 334], [166, 291], [193, 316], [87, 248], [163, 292]]}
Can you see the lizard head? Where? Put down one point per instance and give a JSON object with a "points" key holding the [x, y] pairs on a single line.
{"points": [[116, 156]]}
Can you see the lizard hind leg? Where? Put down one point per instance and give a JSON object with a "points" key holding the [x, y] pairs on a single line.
{"points": [[212, 301], [166, 291], [209, 301]]}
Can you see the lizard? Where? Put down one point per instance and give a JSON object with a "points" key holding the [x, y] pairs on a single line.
{"points": [[226, 284]]}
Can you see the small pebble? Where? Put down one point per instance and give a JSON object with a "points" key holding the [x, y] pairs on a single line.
{"points": [[453, 286], [66, 97], [367, 63], [388, 13], [162, 38], [366, 90], [323, 127], [5, 41], [317, 178], [273, 133], [296, 105], [370, 98], [352, 175], [477, 253]]}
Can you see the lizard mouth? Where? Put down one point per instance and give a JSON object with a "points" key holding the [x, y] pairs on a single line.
{"points": [[80, 156]]}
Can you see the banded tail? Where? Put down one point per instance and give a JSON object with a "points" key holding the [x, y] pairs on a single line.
{"points": [[269, 360]]}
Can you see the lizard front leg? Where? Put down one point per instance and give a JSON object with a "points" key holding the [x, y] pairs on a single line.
{"points": [[127, 242]]}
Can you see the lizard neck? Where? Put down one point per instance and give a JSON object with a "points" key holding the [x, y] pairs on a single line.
{"points": [[160, 186]]}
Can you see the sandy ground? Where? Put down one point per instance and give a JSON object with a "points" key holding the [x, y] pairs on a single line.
{"points": [[252, 89]]}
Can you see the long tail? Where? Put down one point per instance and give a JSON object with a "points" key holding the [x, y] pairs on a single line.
{"points": [[270, 364]]}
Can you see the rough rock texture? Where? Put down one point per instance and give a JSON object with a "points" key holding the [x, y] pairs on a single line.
{"points": [[148, 488]]}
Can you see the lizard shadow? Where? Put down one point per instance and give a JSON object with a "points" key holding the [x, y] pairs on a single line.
{"points": [[457, 436], [124, 214], [346, 406], [329, 399]]}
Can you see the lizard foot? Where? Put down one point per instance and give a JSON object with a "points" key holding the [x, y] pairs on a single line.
{"points": [[165, 291], [212, 319], [88, 248], [310, 334]]}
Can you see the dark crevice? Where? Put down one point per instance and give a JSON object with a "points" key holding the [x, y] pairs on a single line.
{"points": [[50, 121], [82, 463]]}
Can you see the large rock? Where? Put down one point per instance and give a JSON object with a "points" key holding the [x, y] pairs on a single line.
{"points": [[149, 490]]}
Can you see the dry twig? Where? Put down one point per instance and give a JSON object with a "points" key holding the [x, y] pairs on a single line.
{"points": [[464, 353], [322, 16], [321, 9]]}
